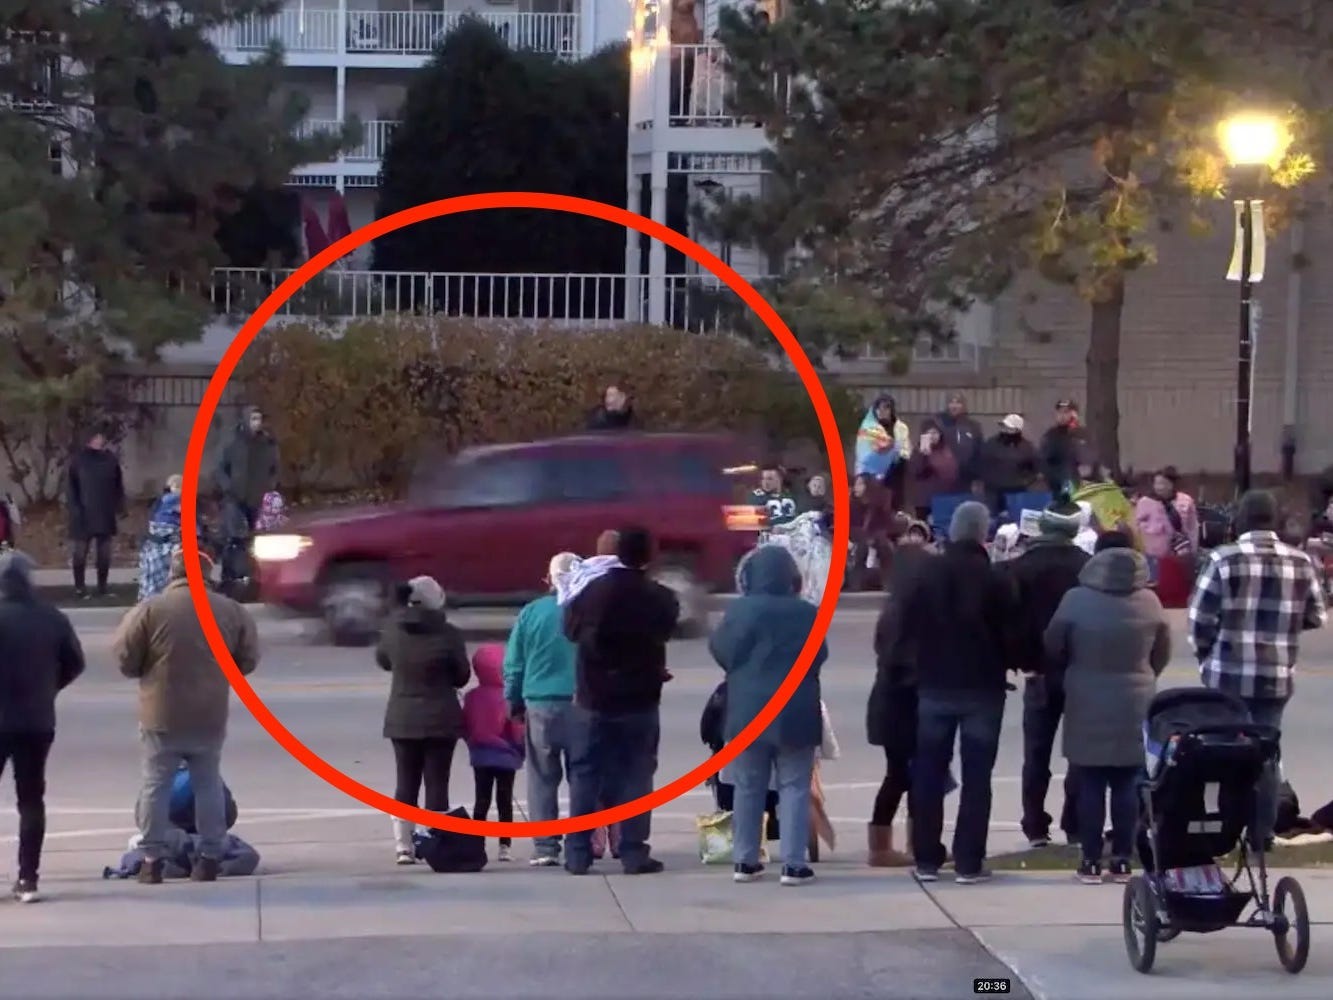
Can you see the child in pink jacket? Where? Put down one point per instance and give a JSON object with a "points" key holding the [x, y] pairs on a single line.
{"points": [[494, 740], [1168, 520]]}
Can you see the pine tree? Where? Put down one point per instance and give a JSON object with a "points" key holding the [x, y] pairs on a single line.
{"points": [[124, 140], [484, 117]]}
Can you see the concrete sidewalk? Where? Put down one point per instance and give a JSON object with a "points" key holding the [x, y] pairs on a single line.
{"points": [[319, 924]]}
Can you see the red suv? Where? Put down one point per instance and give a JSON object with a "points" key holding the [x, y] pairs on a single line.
{"points": [[486, 523]]}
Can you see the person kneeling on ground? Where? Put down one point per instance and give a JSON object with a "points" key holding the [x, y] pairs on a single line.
{"points": [[183, 703], [758, 640], [1111, 639]]}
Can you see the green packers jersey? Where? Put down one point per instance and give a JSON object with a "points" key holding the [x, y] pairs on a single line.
{"points": [[780, 508]]}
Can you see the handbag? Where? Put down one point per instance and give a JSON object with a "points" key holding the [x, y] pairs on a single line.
{"points": [[717, 838]]}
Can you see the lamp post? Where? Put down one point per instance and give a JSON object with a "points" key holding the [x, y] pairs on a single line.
{"points": [[1253, 144]]}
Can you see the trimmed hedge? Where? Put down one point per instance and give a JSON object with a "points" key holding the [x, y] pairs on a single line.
{"points": [[362, 404]]}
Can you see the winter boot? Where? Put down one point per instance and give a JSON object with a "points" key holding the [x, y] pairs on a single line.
{"points": [[882, 853]]}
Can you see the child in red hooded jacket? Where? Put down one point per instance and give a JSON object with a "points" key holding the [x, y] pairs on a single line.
{"points": [[494, 740]]}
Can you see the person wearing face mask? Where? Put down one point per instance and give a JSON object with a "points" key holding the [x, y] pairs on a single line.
{"points": [[615, 413], [1008, 464]]}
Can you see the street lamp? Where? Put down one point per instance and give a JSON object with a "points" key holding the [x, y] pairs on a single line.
{"points": [[1253, 144]]}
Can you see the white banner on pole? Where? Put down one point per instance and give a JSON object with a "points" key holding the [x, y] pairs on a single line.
{"points": [[1258, 248]]}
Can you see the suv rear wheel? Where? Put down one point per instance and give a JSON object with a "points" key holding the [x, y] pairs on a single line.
{"points": [[678, 577], [353, 601]]}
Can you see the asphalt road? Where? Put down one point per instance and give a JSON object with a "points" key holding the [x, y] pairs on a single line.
{"points": [[333, 699]]}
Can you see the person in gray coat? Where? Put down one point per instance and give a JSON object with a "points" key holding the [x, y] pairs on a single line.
{"points": [[1111, 639]]}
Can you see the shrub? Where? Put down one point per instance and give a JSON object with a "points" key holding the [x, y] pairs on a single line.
{"points": [[360, 405]]}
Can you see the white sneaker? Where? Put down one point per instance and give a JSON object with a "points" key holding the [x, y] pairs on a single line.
{"points": [[544, 861], [406, 858], [25, 892], [504, 853]]}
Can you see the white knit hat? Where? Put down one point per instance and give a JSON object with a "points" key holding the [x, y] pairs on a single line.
{"points": [[561, 564], [425, 592]]}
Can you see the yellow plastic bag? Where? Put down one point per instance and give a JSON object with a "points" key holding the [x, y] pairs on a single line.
{"points": [[716, 838]]}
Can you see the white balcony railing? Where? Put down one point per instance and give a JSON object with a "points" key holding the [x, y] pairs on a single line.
{"points": [[394, 32], [586, 301], [298, 30], [582, 300], [375, 135], [689, 84]]}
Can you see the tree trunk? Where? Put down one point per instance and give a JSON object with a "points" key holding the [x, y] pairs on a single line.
{"points": [[1103, 373]]}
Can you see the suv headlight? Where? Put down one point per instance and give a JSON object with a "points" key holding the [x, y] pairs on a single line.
{"points": [[279, 548]]}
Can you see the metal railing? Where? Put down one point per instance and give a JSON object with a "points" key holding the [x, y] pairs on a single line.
{"points": [[699, 89], [700, 304], [375, 136], [394, 32]]}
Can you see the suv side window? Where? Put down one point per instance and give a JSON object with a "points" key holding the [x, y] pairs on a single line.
{"points": [[590, 478], [502, 481], [697, 473]]}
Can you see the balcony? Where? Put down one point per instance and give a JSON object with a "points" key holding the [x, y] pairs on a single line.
{"points": [[313, 35], [375, 137]]}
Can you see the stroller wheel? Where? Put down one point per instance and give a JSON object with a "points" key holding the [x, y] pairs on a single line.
{"points": [[1293, 940], [1139, 915]]}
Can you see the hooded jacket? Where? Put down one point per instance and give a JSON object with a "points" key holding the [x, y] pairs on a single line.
{"points": [[1111, 639], [493, 739], [1008, 464], [964, 437], [40, 655], [249, 467], [757, 643], [880, 448], [428, 660]]}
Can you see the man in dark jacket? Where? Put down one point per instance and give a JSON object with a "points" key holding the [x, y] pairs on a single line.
{"points": [[620, 624], [1043, 575], [616, 412], [96, 496], [1063, 448], [957, 619], [1008, 463], [963, 436], [248, 470], [39, 657]]}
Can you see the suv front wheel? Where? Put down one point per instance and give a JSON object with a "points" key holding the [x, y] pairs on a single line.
{"points": [[353, 602], [677, 577]]}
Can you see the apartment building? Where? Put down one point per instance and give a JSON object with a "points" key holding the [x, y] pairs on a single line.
{"points": [[353, 59]]}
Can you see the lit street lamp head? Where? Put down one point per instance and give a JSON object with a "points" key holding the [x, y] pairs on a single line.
{"points": [[1254, 140]]}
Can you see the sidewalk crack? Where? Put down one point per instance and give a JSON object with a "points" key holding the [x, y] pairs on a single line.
{"points": [[610, 887], [259, 909]]}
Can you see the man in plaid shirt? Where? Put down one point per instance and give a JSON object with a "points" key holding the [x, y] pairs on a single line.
{"points": [[1250, 605]]}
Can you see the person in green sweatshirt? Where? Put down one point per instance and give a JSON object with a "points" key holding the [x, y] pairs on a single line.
{"points": [[539, 670]]}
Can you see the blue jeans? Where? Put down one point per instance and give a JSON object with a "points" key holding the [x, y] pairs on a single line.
{"points": [[1266, 713], [792, 767], [550, 747], [1093, 784], [612, 760], [975, 719]]}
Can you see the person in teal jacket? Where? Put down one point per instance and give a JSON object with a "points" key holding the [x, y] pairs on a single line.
{"points": [[539, 688], [756, 644]]}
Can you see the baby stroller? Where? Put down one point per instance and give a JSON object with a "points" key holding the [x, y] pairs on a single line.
{"points": [[1204, 761]]}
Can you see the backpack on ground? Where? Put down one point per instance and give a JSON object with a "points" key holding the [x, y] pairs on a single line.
{"points": [[446, 851]]}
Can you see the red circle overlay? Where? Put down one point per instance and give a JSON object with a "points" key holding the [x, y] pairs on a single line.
{"points": [[477, 203]]}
